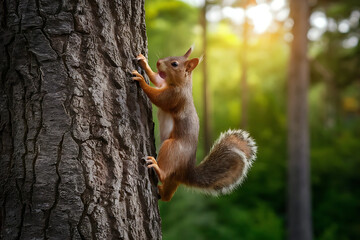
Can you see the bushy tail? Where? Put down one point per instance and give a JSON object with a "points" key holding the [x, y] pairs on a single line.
{"points": [[226, 165]]}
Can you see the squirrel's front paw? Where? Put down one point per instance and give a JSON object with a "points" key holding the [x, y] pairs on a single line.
{"points": [[138, 77], [141, 57], [141, 60], [150, 162]]}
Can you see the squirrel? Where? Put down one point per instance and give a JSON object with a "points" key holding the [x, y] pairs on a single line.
{"points": [[230, 158]]}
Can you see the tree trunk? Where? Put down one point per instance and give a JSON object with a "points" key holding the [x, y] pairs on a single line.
{"points": [[300, 226], [206, 117], [73, 124], [244, 70]]}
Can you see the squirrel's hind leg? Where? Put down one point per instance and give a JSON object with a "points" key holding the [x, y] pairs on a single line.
{"points": [[153, 164], [168, 186], [167, 189]]}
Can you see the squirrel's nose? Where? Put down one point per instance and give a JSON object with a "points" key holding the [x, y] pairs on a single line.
{"points": [[158, 63]]}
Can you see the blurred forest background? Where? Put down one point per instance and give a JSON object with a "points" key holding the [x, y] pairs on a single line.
{"points": [[260, 52]]}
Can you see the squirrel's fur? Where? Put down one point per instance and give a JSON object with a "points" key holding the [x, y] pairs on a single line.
{"points": [[230, 158], [235, 152]]}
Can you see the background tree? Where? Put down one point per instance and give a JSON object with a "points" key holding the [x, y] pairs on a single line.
{"points": [[73, 125], [246, 28], [243, 57], [335, 80], [205, 86], [299, 190]]}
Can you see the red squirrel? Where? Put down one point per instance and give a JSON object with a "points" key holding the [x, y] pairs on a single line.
{"points": [[229, 159]]}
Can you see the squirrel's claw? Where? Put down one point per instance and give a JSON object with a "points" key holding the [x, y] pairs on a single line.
{"points": [[138, 76], [144, 159], [134, 72], [153, 164], [141, 60], [149, 161], [140, 57]]}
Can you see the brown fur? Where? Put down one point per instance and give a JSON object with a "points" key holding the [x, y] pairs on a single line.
{"points": [[176, 162]]}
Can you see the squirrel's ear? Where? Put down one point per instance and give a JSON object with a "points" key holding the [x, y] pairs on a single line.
{"points": [[191, 64], [187, 54]]}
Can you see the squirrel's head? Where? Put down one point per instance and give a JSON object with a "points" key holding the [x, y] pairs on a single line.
{"points": [[177, 70]]}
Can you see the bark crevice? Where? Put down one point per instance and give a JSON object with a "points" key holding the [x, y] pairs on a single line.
{"points": [[57, 184], [75, 125]]}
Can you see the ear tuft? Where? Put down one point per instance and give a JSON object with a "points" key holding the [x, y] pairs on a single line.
{"points": [[201, 58], [187, 54]]}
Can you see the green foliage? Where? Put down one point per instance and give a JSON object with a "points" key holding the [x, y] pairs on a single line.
{"points": [[335, 184], [257, 210], [170, 28]]}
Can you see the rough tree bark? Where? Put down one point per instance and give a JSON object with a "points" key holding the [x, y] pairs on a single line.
{"points": [[73, 125], [299, 209]]}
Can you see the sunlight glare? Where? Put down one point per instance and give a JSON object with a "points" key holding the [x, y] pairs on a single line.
{"points": [[344, 26], [350, 42], [277, 4], [314, 34], [197, 3], [318, 20], [282, 14], [235, 14], [214, 14], [260, 16]]}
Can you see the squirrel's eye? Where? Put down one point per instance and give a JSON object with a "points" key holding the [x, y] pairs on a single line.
{"points": [[174, 64]]}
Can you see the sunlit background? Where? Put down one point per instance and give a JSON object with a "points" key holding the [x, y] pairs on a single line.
{"points": [[257, 210]]}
